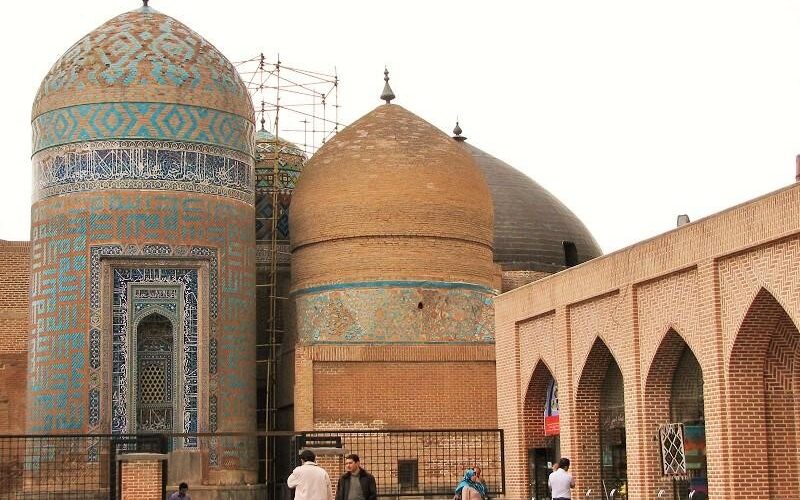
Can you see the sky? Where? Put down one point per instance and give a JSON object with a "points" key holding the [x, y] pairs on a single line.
{"points": [[630, 112]]}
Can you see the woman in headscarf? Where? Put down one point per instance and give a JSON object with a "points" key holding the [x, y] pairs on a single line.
{"points": [[470, 487]]}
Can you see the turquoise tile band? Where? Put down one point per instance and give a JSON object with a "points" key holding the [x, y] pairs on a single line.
{"points": [[142, 120]]}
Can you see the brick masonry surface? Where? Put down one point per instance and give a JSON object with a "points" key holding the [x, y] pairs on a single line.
{"points": [[725, 290], [14, 313], [394, 387], [141, 480]]}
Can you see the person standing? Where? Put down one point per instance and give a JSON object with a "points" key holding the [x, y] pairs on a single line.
{"points": [[356, 483], [561, 482], [309, 480], [470, 487], [182, 493], [479, 478]]}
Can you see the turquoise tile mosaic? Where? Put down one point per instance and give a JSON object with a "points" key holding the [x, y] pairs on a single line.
{"points": [[142, 120]]}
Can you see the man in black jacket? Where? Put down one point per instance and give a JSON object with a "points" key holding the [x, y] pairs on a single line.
{"points": [[356, 483]]}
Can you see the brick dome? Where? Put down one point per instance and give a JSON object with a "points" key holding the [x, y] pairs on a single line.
{"points": [[530, 224], [391, 197], [132, 64]]}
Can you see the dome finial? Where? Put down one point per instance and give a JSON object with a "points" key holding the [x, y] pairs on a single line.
{"points": [[263, 120], [457, 131], [387, 94], [145, 2]]}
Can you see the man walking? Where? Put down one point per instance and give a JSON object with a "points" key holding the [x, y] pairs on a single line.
{"points": [[561, 482], [309, 480], [356, 483]]}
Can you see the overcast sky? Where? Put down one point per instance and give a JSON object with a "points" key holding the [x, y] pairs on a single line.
{"points": [[630, 112]]}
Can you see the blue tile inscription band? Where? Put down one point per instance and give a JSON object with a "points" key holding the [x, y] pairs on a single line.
{"points": [[142, 164]]}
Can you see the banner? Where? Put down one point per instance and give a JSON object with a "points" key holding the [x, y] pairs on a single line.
{"points": [[552, 426]]}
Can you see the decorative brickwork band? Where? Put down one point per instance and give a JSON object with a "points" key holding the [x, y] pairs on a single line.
{"points": [[142, 120], [162, 165]]}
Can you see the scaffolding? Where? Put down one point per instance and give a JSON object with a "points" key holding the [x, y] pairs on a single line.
{"points": [[298, 111]]}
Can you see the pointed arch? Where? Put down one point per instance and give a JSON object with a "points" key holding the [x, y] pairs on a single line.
{"points": [[534, 405], [762, 407], [600, 384], [673, 392], [534, 434], [154, 398]]}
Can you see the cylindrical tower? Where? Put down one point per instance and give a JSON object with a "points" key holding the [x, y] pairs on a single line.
{"points": [[143, 252], [392, 279]]}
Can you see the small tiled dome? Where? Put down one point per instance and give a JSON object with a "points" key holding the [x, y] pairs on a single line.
{"points": [[272, 152]]}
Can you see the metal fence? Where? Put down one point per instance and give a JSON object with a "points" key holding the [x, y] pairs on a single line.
{"points": [[404, 463], [69, 467], [416, 462]]}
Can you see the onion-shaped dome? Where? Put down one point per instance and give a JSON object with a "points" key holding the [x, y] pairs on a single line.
{"points": [[143, 75], [533, 230], [391, 197], [272, 152]]}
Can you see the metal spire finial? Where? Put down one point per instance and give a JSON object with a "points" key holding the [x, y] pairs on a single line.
{"points": [[387, 94], [457, 131], [263, 120], [145, 2]]}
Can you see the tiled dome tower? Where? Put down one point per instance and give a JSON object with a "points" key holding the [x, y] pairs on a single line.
{"points": [[144, 254], [392, 265], [290, 160]]}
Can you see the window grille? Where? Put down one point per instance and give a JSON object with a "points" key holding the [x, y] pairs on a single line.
{"points": [[673, 453]]}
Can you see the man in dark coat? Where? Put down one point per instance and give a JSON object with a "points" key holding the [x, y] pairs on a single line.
{"points": [[356, 483]]}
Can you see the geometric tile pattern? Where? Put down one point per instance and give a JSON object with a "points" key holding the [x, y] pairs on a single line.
{"points": [[394, 312], [264, 217], [142, 120], [140, 53], [187, 279], [278, 167], [139, 164]]}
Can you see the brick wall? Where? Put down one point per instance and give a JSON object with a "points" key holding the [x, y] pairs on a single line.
{"points": [[14, 328], [725, 288], [395, 387], [15, 267], [141, 478]]}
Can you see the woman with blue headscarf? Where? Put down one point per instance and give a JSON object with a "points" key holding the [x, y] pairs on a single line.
{"points": [[470, 487]]}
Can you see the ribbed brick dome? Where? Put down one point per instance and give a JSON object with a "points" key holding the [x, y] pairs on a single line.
{"points": [[391, 197], [530, 224]]}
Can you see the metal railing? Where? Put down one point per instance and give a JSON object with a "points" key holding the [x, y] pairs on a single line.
{"points": [[69, 467], [418, 462], [404, 462]]}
